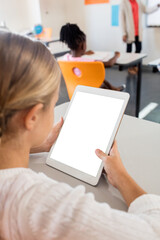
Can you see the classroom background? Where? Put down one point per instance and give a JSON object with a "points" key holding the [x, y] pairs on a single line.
{"points": [[101, 24], [95, 20]]}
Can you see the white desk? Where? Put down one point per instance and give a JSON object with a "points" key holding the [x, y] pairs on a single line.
{"points": [[125, 61], [58, 48], [48, 41], [154, 64], [138, 142]]}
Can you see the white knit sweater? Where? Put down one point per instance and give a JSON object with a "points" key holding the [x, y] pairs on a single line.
{"points": [[127, 23], [32, 206]]}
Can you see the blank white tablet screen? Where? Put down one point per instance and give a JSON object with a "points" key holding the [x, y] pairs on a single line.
{"points": [[89, 125]]}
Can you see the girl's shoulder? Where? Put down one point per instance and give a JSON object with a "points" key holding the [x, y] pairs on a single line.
{"points": [[68, 57]]}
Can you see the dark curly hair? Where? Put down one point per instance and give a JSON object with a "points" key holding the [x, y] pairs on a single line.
{"points": [[72, 36]]}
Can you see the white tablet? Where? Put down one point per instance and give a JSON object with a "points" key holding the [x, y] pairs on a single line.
{"points": [[91, 121]]}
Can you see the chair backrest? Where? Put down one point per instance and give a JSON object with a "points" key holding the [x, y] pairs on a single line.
{"points": [[91, 74]]}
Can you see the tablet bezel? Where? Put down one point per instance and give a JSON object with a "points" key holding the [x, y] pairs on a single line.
{"points": [[72, 171]]}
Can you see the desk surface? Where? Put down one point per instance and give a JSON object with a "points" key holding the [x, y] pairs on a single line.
{"points": [[138, 142], [49, 40], [124, 59], [155, 62], [58, 47]]}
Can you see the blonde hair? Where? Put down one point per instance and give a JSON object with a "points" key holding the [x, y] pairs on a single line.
{"points": [[29, 74]]}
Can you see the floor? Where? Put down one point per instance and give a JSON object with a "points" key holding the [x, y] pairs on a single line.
{"points": [[150, 92]]}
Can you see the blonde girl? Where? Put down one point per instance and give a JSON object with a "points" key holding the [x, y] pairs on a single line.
{"points": [[33, 206]]}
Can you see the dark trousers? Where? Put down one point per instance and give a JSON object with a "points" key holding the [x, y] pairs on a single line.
{"points": [[138, 45]]}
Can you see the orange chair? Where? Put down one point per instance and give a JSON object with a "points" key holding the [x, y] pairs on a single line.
{"points": [[91, 74]]}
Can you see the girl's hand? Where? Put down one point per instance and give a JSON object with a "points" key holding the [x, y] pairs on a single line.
{"points": [[125, 38], [113, 165], [52, 137], [117, 54], [90, 52], [118, 176]]}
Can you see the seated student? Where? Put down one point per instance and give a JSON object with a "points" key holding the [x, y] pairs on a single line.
{"points": [[76, 41], [33, 206]]}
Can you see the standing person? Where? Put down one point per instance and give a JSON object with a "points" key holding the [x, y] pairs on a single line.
{"points": [[33, 206], [71, 35], [131, 21]]}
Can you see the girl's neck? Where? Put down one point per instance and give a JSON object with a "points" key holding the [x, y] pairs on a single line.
{"points": [[14, 155], [76, 53]]}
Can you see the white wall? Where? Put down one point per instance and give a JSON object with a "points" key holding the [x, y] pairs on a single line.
{"points": [[53, 14], [151, 43], [56, 13], [75, 12], [101, 35], [20, 14]]}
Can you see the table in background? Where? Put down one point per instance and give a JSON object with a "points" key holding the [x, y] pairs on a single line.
{"points": [[138, 142], [58, 48], [47, 42], [125, 61], [154, 64]]}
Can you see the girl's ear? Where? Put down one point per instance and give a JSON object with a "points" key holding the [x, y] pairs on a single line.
{"points": [[84, 46], [81, 46], [32, 116]]}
